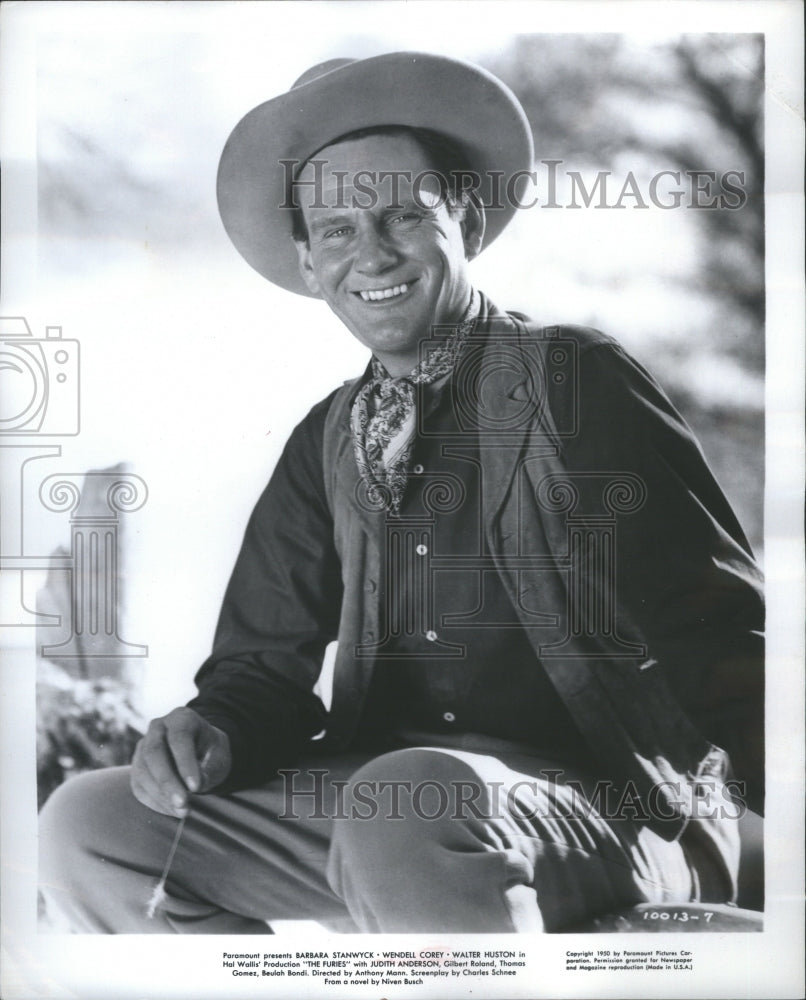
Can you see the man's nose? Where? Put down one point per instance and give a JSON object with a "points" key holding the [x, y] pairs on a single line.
{"points": [[375, 252]]}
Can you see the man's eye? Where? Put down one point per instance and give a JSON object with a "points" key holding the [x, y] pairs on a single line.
{"points": [[405, 219], [337, 233]]}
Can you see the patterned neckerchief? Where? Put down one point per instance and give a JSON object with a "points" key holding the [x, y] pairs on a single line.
{"points": [[384, 415]]}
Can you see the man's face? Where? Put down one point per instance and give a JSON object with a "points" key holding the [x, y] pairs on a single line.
{"points": [[396, 267]]}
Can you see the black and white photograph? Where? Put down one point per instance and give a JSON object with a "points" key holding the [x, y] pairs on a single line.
{"points": [[402, 485]]}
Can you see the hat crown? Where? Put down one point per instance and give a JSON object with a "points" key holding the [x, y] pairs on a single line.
{"points": [[464, 102], [320, 69]]}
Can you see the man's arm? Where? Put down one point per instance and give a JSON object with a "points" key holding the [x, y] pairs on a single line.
{"points": [[255, 708], [686, 581]]}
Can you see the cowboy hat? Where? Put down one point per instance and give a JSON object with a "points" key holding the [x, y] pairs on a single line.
{"points": [[457, 99]]}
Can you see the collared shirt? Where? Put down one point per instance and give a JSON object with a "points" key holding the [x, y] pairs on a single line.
{"points": [[453, 656]]}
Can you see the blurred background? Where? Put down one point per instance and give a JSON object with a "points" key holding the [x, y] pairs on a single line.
{"points": [[194, 369]]}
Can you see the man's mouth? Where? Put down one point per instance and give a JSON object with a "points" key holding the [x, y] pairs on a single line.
{"points": [[382, 294]]}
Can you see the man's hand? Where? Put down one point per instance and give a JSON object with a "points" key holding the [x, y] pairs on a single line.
{"points": [[181, 753]]}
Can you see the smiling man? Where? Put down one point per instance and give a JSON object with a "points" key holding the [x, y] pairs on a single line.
{"points": [[548, 619], [396, 268]]}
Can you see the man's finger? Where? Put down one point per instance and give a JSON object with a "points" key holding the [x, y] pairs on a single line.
{"points": [[156, 763], [148, 793], [182, 738]]}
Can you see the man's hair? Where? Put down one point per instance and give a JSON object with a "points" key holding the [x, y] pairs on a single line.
{"points": [[446, 158]]}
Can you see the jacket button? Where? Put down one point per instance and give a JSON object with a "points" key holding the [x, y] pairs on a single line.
{"points": [[421, 550], [431, 635], [371, 586], [418, 470], [449, 716]]}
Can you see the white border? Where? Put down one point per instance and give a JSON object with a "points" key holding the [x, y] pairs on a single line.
{"points": [[766, 965]]}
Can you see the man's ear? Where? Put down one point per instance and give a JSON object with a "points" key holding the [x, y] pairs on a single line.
{"points": [[473, 227], [306, 265]]}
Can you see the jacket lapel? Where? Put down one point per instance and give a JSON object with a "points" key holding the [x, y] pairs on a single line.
{"points": [[510, 389]]}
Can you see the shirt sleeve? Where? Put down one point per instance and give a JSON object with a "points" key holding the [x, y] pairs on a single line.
{"points": [[280, 610], [687, 584]]}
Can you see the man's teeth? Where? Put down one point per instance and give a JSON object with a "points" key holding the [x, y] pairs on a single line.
{"points": [[384, 293]]}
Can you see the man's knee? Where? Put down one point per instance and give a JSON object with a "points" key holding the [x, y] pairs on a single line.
{"points": [[407, 854], [396, 800], [79, 818], [417, 783]]}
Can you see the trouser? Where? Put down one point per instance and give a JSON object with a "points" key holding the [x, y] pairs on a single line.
{"points": [[419, 839]]}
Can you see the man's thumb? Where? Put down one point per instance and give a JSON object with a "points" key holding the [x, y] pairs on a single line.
{"points": [[214, 766]]}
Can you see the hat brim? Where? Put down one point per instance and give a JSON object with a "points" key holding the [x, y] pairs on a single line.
{"points": [[462, 101]]}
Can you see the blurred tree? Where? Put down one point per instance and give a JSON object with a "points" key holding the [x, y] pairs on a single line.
{"points": [[81, 725], [695, 103], [598, 102]]}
